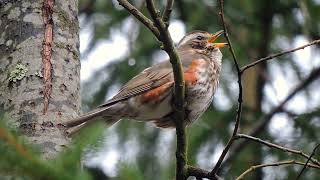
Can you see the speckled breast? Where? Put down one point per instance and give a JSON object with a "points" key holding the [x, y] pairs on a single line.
{"points": [[199, 95]]}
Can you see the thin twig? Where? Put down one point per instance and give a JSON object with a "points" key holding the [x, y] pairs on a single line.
{"points": [[281, 163], [167, 11], [276, 146], [306, 164], [142, 18], [239, 110], [264, 121], [278, 54]]}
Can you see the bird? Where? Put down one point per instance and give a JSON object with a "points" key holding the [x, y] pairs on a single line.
{"points": [[149, 96]]}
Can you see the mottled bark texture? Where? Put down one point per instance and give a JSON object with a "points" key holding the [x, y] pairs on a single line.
{"points": [[32, 62]]}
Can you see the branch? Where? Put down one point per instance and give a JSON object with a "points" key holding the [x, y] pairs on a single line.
{"points": [[276, 146], [159, 27], [240, 71], [281, 163], [239, 110], [181, 171], [167, 12], [201, 173], [160, 30], [306, 164], [278, 54], [264, 121], [142, 18], [165, 38]]}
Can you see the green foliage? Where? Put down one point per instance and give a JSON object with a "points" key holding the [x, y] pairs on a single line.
{"points": [[129, 171], [20, 160]]}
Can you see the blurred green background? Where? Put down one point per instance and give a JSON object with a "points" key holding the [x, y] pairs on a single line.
{"points": [[115, 47]]}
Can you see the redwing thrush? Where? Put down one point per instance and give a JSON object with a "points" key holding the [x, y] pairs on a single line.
{"points": [[149, 95]]}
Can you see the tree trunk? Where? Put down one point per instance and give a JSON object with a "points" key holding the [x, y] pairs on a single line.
{"points": [[40, 68]]}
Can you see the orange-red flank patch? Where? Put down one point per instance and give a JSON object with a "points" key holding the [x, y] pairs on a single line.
{"points": [[155, 94], [190, 76]]}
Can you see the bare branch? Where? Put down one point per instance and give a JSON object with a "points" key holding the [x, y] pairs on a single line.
{"points": [[158, 25], [167, 12], [306, 164], [154, 13], [281, 163], [181, 169], [276, 146], [264, 121], [201, 173], [221, 13], [161, 32], [239, 110], [142, 18], [198, 173], [278, 54]]}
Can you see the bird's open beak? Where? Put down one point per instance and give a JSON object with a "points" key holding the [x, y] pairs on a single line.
{"points": [[214, 37]]}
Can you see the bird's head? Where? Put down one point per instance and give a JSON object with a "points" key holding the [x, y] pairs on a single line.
{"points": [[202, 41]]}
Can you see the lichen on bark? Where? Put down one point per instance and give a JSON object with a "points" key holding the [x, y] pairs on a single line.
{"points": [[18, 73]]}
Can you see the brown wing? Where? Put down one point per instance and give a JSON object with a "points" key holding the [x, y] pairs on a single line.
{"points": [[148, 79], [152, 77]]}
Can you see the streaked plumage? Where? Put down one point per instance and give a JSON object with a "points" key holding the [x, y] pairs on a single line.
{"points": [[149, 95]]}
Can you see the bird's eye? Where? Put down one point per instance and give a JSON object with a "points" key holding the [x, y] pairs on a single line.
{"points": [[200, 37]]}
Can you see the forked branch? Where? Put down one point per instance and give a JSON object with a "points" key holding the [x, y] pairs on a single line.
{"points": [[159, 26], [240, 71], [276, 146], [142, 18], [239, 110], [278, 54], [281, 163], [307, 162]]}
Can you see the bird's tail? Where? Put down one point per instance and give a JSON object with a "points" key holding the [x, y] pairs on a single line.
{"points": [[79, 123], [90, 116]]}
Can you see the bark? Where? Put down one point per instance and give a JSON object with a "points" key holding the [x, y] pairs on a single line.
{"points": [[40, 68]]}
